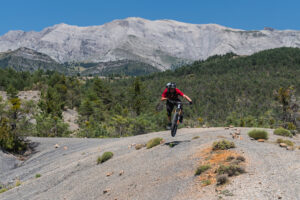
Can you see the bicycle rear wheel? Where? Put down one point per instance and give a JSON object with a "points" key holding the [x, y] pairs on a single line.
{"points": [[174, 124]]}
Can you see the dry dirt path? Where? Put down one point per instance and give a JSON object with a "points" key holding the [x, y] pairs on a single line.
{"points": [[70, 172]]}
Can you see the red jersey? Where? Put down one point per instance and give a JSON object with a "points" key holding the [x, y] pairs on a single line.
{"points": [[172, 96]]}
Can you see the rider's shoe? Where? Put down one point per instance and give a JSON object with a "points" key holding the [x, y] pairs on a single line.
{"points": [[181, 119], [169, 126]]}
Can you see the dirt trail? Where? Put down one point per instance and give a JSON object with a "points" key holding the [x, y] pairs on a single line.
{"points": [[71, 172]]}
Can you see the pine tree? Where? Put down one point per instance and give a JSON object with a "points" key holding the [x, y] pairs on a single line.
{"points": [[138, 96]]}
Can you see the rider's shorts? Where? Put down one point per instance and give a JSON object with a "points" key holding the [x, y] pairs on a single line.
{"points": [[170, 107]]}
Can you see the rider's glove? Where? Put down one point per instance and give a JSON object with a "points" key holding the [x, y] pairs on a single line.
{"points": [[191, 102]]}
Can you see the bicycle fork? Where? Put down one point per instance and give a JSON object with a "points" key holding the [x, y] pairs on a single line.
{"points": [[179, 112]]}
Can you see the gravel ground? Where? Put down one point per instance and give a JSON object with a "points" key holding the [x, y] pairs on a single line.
{"points": [[70, 171]]}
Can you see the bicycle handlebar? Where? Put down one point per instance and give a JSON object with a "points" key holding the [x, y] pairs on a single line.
{"points": [[179, 102]]}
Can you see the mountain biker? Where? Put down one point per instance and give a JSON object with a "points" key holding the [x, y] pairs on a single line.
{"points": [[172, 93]]}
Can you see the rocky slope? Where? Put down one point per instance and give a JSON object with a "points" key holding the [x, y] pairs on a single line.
{"points": [[161, 173], [161, 43], [127, 67], [24, 59]]}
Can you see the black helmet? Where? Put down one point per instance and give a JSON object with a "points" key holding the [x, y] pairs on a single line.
{"points": [[171, 85]]}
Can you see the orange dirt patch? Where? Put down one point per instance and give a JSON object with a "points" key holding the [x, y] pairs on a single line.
{"points": [[215, 159]]}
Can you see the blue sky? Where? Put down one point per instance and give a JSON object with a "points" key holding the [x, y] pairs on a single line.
{"points": [[244, 14]]}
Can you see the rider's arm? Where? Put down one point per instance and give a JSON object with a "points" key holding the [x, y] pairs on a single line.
{"points": [[187, 98], [163, 98], [183, 95], [164, 95]]}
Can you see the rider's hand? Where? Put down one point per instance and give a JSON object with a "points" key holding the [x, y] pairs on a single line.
{"points": [[191, 102]]}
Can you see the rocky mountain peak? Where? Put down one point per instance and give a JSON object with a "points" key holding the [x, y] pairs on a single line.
{"points": [[160, 43]]}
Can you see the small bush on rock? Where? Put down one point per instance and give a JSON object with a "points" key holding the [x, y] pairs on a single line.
{"points": [[154, 142], [18, 183], [201, 169], [222, 179], [223, 145], [241, 158], [283, 132], [229, 158], [105, 156], [206, 182], [258, 134], [287, 142], [3, 190], [231, 170]]}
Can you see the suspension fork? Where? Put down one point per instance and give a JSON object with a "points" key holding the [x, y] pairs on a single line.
{"points": [[178, 110], [179, 114]]}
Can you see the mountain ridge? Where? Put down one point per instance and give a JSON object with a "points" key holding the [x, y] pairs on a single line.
{"points": [[25, 59], [160, 43]]}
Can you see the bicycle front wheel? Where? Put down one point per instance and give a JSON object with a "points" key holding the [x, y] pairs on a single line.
{"points": [[174, 124]]}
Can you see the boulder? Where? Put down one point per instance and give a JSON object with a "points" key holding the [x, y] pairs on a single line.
{"points": [[282, 145], [139, 146], [107, 190], [289, 148], [109, 173]]}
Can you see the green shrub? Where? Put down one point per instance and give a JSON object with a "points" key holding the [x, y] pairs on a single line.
{"points": [[283, 132], [291, 126], [226, 193], [231, 170], [38, 175], [9, 139], [229, 158], [50, 126], [258, 134], [223, 145], [105, 156], [206, 182], [171, 144], [18, 183], [241, 158], [287, 142], [153, 142], [201, 169], [196, 137], [222, 179], [3, 190]]}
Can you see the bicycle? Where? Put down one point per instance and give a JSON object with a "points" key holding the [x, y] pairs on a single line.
{"points": [[176, 116]]}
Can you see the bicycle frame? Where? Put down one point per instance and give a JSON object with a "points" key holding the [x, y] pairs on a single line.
{"points": [[178, 110], [176, 116]]}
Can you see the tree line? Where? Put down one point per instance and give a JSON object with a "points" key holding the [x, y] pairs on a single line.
{"points": [[228, 89]]}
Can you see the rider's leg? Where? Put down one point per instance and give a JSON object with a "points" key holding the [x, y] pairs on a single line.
{"points": [[170, 108]]}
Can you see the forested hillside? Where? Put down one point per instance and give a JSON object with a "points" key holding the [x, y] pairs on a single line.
{"points": [[229, 89], [232, 87]]}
